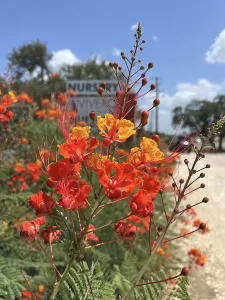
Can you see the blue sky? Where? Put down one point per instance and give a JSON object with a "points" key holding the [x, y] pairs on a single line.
{"points": [[178, 34]]}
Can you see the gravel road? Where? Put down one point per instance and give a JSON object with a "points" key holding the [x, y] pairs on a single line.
{"points": [[208, 282]]}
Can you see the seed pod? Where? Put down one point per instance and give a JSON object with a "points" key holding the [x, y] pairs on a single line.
{"points": [[144, 118], [92, 115], [184, 271], [156, 102], [100, 91]]}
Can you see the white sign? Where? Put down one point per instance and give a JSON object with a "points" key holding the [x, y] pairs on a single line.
{"points": [[84, 105], [89, 87], [88, 100]]}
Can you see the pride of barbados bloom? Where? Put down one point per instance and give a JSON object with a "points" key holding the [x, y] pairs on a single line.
{"points": [[90, 175]]}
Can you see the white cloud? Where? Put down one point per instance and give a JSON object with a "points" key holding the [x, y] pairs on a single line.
{"points": [[155, 38], [61, 58], [216, 52], [185, 92], [134, 26], [116, 52]]}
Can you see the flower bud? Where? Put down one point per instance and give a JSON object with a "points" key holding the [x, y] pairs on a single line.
{"points": [[160, 228], [100, 91], [142, 75], [181, 181], [133, 58], [115, 65], [176, 210], [119, 95], [202, 185], [144, 81], [184, 271], [156, 102], [208, 166], [142, 67], [202, 226], [156, 138], [134, 101], [205, 200], [141, 48], [173, 185], [122, 53], [202, 175], [144, 118], [186, 161], [152, 86], [150, 65], [143, 41], [120, 68], [188, 206], [92, 115], [111, 65], [103, 85]]}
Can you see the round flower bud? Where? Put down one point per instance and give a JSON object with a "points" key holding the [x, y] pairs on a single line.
{"points": [[115, 65], [152, 86], [156, 138], [156, 102], [188, 206], [208, 166], [142, 67], [194, 172], [92, 115], [143, 41], [144, 117], [122, 53], [184, 271], [139, 60], [160, 228], [144, 81], [202, 175], [202, 155], [120, 68], [141, 48], [205, 200], [176, 210], [173, 185], [202, 226], [110, 64], [202, 185], [133, 58], [100, 91], [186, 161], [150, 65], [119, 94], [143, 75], [103, 85], [181, 181], [134, 101]]}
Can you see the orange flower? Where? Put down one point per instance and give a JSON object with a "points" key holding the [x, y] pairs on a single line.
{"points": [[41, 114], [147, 153], [41, 288], [74, 192], [24, 140], [160, 251], [141, 204], [42, 203], [50, 234], [62, 99], [24, 97], [52, 113], [119, 185], [91, 236], [61, 169], [19, 168], [30, 229], [2, 109], [125, 231], [45, 102], [71, 93], [113, 129]]}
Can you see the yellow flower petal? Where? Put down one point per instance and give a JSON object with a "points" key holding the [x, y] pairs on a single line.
{"points": [[80, 132]]}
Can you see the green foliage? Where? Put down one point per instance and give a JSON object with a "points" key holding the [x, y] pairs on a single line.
{"points": [[11, 282], [180, 291], [83, 282]]}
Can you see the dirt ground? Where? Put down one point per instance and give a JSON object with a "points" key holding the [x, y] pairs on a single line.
{"points": [[208, 282]]}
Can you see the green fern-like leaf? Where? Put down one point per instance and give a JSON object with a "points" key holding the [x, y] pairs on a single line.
{"points": [[180, 292]]}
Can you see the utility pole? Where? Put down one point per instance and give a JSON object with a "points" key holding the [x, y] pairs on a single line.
{"points": [[157, 107]]}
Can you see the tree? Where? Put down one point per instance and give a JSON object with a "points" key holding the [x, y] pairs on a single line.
{"points": [[197, 115], [30, 58], [220, 112], [88, 70]]}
